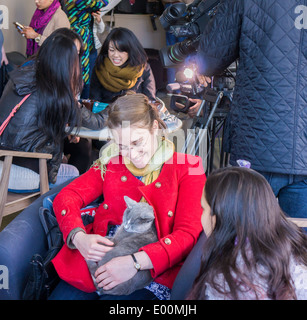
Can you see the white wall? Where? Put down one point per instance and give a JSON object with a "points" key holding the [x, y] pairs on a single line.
{"points": [[21, 11], [141, 26]]}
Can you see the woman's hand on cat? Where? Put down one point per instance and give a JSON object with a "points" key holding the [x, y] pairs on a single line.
{"points": [[92, 246], [114, 272], [120, 269]]}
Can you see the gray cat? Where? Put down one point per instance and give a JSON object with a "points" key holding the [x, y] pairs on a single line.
{"points": [[137, 230]]}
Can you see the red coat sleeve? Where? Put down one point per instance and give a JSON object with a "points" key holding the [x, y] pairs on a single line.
{"points": [[78, 194]]}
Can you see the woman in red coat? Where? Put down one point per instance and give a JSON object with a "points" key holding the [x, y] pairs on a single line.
{"points": [[142, 165]]}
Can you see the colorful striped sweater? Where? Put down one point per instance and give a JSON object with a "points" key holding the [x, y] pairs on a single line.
{"points": [[79, 13]]}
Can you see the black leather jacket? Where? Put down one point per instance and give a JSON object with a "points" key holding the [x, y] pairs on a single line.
{"points": [[22, 132]]}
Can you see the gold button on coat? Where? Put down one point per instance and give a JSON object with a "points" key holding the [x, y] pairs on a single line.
{"points": [[105, 206], [167, 241], [158, 184], [63, 212], [123, 178], [170, 213]]}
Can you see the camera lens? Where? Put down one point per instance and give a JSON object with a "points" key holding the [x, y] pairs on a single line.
{"points": [[172, 14]]}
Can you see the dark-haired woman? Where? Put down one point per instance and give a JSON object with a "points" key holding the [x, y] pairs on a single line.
{"points": [[121, 66], [252, 251], [53, 81]]}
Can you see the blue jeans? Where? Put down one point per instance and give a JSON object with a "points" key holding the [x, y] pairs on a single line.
{"points": [[65, 291], [291, 191], [65, 173]]}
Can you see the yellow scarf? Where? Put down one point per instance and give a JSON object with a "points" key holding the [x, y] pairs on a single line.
{"points": [[115, 78]]}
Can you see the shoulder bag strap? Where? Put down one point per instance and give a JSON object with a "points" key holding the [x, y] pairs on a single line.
{"points": [[11, 115]]}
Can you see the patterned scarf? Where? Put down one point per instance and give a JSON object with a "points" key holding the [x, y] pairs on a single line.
{"points": [[115, 78], [39, 22], [79, 13]]}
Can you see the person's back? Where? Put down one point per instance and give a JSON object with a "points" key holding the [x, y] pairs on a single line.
{"points": [[270, 97], [22, 82]]}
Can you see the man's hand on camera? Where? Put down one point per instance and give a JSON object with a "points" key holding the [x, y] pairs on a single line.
{"points": [[192, 112], [204, 80]]}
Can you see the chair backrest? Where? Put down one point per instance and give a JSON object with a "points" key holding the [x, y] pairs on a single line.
{"points": [[15, 59]]}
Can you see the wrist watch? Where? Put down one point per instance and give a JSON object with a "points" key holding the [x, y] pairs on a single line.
{"points": [[38, 38], [137, 266]]}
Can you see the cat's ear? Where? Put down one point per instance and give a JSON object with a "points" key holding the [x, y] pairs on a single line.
{"points": [[130, 202]]}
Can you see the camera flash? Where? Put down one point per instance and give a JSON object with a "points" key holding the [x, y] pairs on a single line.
{"points": [[188, 73]]}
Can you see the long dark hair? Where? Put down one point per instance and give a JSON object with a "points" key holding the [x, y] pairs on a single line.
{"points": [[247, 212], [124, 40], [59, 81]]}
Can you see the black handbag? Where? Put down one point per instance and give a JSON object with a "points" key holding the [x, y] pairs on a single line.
{"points": [[154, 7], [131, 6], [43, 277]]}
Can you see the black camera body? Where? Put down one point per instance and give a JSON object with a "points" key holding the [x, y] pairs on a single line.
{"points": [[185, 21], [190, 21]]}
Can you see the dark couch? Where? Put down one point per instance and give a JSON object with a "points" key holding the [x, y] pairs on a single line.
{"points": [[19, 241]]}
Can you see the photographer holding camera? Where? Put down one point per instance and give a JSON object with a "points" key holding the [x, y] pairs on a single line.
{"points": [[268, 116]]}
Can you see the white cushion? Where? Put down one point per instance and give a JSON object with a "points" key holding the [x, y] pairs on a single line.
{"points": [[22, 178]]}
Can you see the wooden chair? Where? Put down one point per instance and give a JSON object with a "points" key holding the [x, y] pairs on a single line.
{"points": [[301, 222], [13, 202]]}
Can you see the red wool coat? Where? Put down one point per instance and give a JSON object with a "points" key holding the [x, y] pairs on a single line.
{"points": [[175, 197]]}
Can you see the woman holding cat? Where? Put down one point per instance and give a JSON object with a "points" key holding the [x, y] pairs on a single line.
{"points": [[142, 165]]}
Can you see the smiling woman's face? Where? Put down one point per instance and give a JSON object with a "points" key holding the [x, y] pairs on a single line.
{"points": [[136, 143], [118, 58]]}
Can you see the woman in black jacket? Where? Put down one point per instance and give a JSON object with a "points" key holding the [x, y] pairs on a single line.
{"points": [[121, 66], [54, 80]]}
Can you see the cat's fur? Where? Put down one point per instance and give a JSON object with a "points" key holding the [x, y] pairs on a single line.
{"points": [[137, 230]]}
